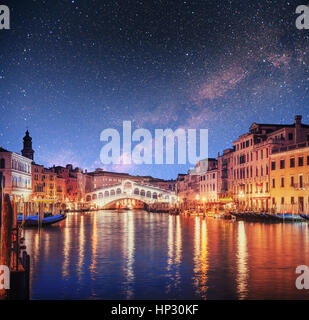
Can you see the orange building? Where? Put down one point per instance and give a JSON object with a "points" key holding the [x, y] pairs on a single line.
{"points": [[251, 179], [289, 179]]}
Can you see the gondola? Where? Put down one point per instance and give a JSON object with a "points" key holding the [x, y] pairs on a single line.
{"points": [[287, 217], [33, 221], [305, 216]]}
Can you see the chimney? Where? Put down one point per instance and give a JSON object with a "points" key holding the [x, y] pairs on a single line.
{"points": [[298, 120]]}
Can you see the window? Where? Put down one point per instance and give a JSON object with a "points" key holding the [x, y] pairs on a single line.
{"points": [[291, 136], [274, 183], [307, 160], [262, 154], [257, 155], [292, 182], [301, 181], [282, 200], [2, 164], [282, 182], [282, 164], [273, 165], [292, 200], [292, 163], [300, 161]]}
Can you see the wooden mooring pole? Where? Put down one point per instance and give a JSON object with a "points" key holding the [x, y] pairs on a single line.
{"points": [[6, 234]]}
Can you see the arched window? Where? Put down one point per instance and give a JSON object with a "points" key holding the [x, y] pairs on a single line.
{"points": [[148, 195], [154, 195], [88, 198], [112, 192], [106, 194], [143, 193], [136, 191], [2, 163], [118, 191], [100, 195], [94, 197]]}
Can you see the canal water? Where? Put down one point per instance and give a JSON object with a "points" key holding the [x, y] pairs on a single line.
{"points": [[139, 255]]}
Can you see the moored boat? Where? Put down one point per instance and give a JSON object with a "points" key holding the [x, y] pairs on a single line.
{"points": [[33, 221], [305, 216]]}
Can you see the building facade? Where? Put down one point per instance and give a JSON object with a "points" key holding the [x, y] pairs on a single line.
{"points": [[15, 175], [289, 178]]}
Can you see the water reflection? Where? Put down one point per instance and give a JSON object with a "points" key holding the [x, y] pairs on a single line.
{"points": [[242, 265], [137, 255], [200, 257], [66, 248], [128, 252], [81, 249], [174, 253]]}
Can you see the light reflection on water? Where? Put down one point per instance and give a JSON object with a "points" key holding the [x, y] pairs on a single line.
{"points": [[137, 255]]}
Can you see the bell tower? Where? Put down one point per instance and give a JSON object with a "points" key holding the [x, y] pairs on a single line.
{"points": [[27, 151]]}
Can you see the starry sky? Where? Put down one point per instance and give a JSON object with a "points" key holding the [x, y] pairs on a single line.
{"points": [[70, 69]]}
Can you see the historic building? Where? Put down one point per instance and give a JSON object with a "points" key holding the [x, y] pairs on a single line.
{"points": [[251, 164], [209, 186], [244, 175], [225, 176], [289, 178], [15, 175]]}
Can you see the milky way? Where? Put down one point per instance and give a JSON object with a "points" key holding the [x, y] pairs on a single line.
{"points": [[69, 69]]}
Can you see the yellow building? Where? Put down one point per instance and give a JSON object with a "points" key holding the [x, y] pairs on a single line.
{"points": [[289, 179]]}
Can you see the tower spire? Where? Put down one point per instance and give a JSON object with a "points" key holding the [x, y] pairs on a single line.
{"points": [[27, 150]]}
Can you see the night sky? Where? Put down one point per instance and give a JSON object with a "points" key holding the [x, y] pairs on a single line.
{"points": [[70, 69]]}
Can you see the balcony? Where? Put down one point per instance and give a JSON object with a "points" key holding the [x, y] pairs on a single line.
{"points": [[299, 187]]}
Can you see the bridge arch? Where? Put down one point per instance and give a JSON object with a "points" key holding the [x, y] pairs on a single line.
{"points": [[128, 189]]}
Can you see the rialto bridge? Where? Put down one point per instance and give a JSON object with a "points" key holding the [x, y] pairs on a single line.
{"points": [[129, 191]]}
